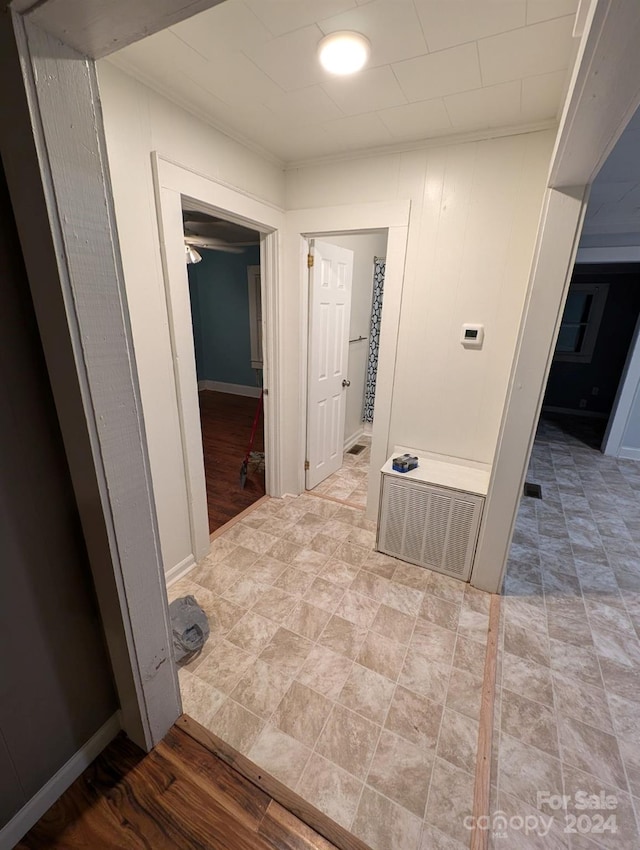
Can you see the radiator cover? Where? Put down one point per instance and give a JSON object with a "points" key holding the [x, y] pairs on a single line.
{"points": [[434, 527]]}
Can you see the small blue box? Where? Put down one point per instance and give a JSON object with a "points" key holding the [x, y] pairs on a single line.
{"points": [[404, 463]]}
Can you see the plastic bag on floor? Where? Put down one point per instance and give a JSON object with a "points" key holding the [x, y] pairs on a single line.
{"points": [[190, 628]]}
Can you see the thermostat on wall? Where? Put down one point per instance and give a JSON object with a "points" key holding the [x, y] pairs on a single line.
{"points": [[472, 336]]}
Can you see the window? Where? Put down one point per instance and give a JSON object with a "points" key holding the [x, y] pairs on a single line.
{"points": [[581, 322]]}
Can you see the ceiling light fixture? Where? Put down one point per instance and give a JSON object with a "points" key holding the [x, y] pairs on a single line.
{"points": [[343, 52], [192, 256]]}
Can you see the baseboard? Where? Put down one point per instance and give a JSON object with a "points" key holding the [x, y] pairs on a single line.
{"points": [[628, 453], [32, 811], [180, 570], [230, 389], [353, 439], [571, 411]]}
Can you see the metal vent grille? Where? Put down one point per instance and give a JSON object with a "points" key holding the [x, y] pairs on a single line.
{"points": [[429, 526]]}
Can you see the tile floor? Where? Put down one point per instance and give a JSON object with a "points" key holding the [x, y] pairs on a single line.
{"points": [[349, 483], [351, 676], [568, 699]]}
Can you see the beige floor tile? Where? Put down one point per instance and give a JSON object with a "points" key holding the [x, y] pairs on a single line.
{"points": [[357, 608], [261, 688], [403, 598], [370, 584], [323, 594], [579, 662], [436, 642], [349, 740], [310, 561], [530, 644], [382, 655], [412, 576], [393, 624], [240, 557], [626, 717], [473, 624], [434, 839], [252, 632], [531, 722], [362, 537], [440, 612], [275, 605], [307, 620], [331, 789], [584, 702], [338, 572], [284, 550], [236, 726], [245, 592], [620, 679], [253, 539], [367, 693], [266, 569], [445, 587], [324, 544], [464, 693], [381, 565], [401, 771], [384, 825], [425, 677], [337, 530], [469, 654], [280, 755], [527, 678], [450, 800], [220, 548], [200, 700], [302, 713], [352, 553], [415, 718], [526, 771], [215, 578], [295, 582], [286, 650], [458, 741], [591, 750], [224, 666], [325, 671], [627, 836], [343, 637]]}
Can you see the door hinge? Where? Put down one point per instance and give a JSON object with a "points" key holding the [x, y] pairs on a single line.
{"points": [[309, 261], [306, 465], [265, 391]]}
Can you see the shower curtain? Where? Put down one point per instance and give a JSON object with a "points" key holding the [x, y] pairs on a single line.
{"points": [[374, 337]]}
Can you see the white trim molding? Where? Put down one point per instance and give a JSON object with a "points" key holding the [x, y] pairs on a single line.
{"points": [[173, 182], [179, 570], [31, 812], [629, 453]]}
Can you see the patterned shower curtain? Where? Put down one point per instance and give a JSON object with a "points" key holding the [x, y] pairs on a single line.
{"points": [[379, 264]]}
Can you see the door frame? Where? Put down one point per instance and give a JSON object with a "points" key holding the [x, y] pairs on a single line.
{"points": [[172, 183], [322, 223]]}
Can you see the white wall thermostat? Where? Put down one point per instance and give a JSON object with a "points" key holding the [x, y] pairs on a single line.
{"points": [[472, 336]]}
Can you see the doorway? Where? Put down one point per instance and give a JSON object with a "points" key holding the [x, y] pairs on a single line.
{"points": [[223, 267], [339, 445], [596, 333]]}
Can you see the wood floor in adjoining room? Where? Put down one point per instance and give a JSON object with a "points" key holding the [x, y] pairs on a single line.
{"points": [[226, 428], [178, 796]]}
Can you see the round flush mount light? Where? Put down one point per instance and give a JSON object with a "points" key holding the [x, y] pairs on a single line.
{"points": [[343, 52]]}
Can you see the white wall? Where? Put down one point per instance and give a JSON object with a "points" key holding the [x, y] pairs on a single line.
{"points": [[137, 122], [365, 247], [474, 217]]}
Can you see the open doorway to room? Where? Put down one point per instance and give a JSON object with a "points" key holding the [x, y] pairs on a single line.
{"points": [[223, 265], [594, 342], [343, 344]]}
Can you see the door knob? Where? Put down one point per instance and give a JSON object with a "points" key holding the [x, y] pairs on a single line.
{"points": [[346, 383]]}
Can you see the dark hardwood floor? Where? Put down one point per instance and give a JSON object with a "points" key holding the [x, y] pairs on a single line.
{"points": [[180, 795], [226, 427]]}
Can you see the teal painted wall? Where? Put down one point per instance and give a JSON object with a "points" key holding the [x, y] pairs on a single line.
{"points": [[220, 313]]}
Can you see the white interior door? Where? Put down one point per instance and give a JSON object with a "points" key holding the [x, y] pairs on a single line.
{"points": [[329, 310]]}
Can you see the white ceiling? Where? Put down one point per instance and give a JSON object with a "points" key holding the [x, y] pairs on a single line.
{"points": [[437, 67], [613, 211]]}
